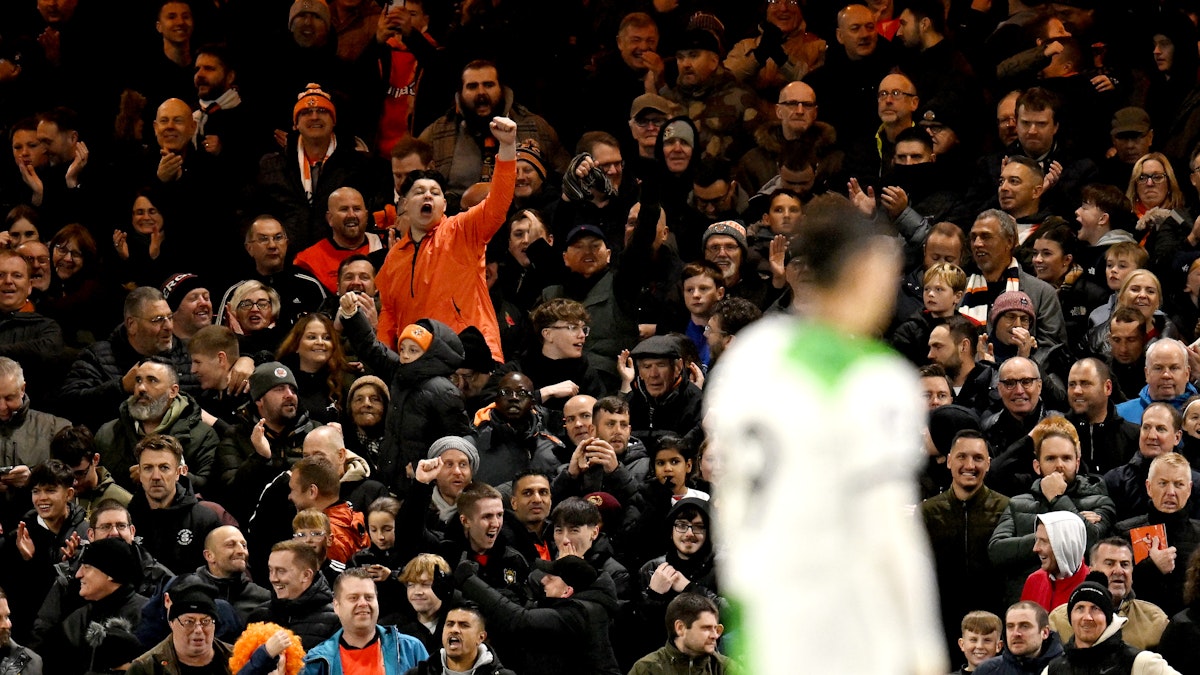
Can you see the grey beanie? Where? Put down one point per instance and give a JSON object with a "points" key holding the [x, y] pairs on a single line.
{"points": [[459, 443]]}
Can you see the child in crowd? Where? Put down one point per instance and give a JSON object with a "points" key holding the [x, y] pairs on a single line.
{"points": [[980, 639], [944, 285]]}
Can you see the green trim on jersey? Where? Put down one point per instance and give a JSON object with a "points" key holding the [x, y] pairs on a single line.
{"points": [[827, 353]]}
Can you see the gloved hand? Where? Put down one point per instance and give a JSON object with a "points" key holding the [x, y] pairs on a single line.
{"points": [[770, 45], [443, 585], [465, 570]]}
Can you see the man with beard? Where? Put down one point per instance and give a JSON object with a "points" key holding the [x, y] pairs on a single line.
{"points": [[188, 297], [225, 556], [606, 457], [695, 627], [157, 407], [223, 126], [60, 188], [13, 657], [513, 437], [464, 150], [37, 254], [355, 274], [527, 523], [535, 189], [952, 345], [348, 219], [724, 244], [174, 522], [725, 112]]}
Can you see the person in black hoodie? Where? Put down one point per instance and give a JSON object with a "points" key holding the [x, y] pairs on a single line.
{"points": [[567, 631], [173, 522]]}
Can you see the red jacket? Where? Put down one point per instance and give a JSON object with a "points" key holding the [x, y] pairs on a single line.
{"points": [[1050, 593], [446, 279]]}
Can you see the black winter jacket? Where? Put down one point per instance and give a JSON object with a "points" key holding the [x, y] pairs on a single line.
{"points": [[506, 450], [117, 438], [1009, 664], [1183, 533], [309, 616]]}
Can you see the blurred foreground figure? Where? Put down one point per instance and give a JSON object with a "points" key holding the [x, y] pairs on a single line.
{"points": [[818, 413]]}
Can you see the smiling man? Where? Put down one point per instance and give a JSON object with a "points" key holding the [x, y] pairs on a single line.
{"points": [[662, 397], [348, 220], [225, 556], [192, 645], [300, 598], [513, 437], [362, 644]]}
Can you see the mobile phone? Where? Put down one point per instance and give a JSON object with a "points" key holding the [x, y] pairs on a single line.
{"points": [[6, 469]]}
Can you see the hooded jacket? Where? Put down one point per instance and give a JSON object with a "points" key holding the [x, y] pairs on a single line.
{"points": [[724, 110], [1011, 664], [309, 616], [425, 405], [117, 438], [506, 449], [1110, 654], [174, 534], [486, 663], [556, 635], [1068, 540]]}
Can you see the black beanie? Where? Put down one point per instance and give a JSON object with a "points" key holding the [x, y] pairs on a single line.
{"points": [[1094, 589], [115, 558]]}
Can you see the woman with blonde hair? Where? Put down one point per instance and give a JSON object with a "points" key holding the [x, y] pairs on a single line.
{"points": [[267, 649]]}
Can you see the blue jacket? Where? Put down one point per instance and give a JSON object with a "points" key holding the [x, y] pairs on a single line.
{"points": [[1133, 408], [400, 652]]}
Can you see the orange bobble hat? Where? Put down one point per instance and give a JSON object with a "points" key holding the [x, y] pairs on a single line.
{"points": [[314, 97], [418, 334]]}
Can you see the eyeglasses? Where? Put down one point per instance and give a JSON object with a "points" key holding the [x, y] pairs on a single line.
{"points": [[39, 259], [190, 624], [157, 320], [80, 473], [263, 305], [1148, 178], [1023, 382], [515, 393], [109, 527], [264, 239], [573, 328], [1011, 120], [894, 93], [792, 105], [709, 330], [315, 534], [682, 526], [650, 122], [66, 251], [609, 167], [710, 201], [789, 3]]}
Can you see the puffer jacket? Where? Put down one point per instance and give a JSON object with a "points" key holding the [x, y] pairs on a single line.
{"points": [[117, 438], [1010, 664], [1126, 484], [506, 450], [92, 389], [556, 635], [670, 661], [35, 342], [175, 534], [309, 616], [1011, 545], [425, 405], [25, 436]]}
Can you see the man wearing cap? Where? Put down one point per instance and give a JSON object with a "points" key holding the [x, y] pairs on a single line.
{"points": [[295, 184], [267, 441], [348, 220], [103, 374], [189, 299], [724, 244], [725, 112], [464, 150], [157, 406], [1168, 371], [646, 116], [1097, 645], [1132, 136], [662, 396], [192, 646], [109, 573], [431, 505], [362, 644], [566, 631], [610, 295]]}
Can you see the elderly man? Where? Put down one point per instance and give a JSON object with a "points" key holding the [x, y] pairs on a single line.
{"points": [[896, 107], [103, 374], [157, 406], [647, 115], [1020, 385], [796, 112], [1114, 557], [1164, 569], [1167, 375], [266, 243], [25, 433], [662, 397], [361, 640], [724, 112], [993, 238], [348, 220], [192, 645], [1090, 609], [1160, 433]]}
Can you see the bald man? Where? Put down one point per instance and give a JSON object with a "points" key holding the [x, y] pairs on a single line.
{"points": [[225, 555], [347, 218], [796, 112], [848, 82]]}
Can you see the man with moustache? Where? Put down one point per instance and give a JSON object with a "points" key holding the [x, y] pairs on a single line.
{"points": [[224, 127], [463, 148], [157, 406], [37, 254], [348, 219]]}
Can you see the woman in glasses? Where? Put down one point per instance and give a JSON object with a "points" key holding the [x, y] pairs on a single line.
{"points": [[78, 297], [313, 351], [144, 254], [252, 314], [1160, 208]]}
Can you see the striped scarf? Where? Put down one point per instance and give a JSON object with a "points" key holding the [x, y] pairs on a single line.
{"points": [[975, 303]]}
